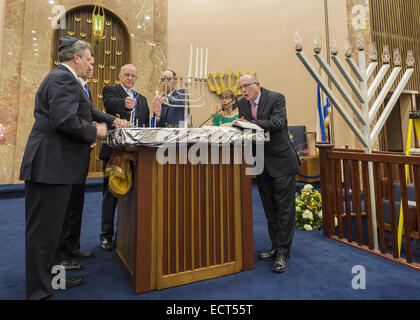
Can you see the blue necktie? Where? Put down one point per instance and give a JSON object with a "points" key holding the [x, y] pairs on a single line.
{"points": [[87, 89]]}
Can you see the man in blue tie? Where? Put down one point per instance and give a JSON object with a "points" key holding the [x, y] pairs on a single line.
{"points": [[73, 223], [123, 101]]}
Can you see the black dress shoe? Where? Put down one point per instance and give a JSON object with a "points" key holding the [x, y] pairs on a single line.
{"points": [[73, 281], [70, 265], [280, 263], [107, 245], [82, 254], [267, 255]]}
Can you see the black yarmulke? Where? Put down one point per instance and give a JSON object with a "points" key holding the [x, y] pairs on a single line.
{"points": [[65, 42]]}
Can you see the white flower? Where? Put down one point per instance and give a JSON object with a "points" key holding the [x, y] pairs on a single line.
{"points": [[307, 214], [297, 209], [320, 213], [307, 227], [308, 187]]}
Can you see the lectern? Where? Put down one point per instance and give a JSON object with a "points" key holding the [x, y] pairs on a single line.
{"points": [[188, 216]]}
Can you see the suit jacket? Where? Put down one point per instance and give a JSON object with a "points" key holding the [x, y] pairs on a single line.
{"points": [[58, 147], [171, 116], [280, 157], [114, 102]]}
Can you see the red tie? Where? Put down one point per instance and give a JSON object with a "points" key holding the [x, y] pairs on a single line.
{"points": [[254, 110]]}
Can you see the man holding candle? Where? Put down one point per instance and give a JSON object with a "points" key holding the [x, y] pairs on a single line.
{"points": [[165, 115], [121, 100]]}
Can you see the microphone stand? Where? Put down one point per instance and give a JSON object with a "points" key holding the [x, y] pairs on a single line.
{"points": [[216, 113]]}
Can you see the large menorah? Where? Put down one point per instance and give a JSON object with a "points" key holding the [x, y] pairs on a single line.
{"points": [[364, 93], [190, 91]]}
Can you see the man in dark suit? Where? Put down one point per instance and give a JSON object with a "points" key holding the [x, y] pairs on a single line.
{"points": [[164, 115], [56, 157], [123, 101], [276, 184], [73, 223]]}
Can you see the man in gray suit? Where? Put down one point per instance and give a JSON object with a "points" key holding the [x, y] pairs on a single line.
{"points": [[276, 184], [56, 157]]}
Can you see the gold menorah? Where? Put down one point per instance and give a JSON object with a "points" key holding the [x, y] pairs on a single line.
{"points": [[218, 85]]}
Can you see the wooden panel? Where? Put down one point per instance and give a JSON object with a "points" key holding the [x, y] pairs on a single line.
{"points": [[171, 240], [396, 24], [215, 239], [366, 200]]}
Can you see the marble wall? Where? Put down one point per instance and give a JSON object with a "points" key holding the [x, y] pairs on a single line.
{"points": [[26, 59]]}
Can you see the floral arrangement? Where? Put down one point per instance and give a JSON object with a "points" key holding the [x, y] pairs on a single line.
{"points": [[309, 209]]}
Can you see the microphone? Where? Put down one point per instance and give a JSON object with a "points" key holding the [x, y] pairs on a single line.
{"points": [[216, 113]]}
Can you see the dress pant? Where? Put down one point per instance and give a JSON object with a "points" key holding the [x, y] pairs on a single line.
{"points": [[73, 222], [109, 203], [45, 208], [278, 198]]}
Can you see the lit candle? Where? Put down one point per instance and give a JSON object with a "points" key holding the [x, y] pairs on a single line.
{"points": [[190, 65], [205, 65], [201, 64], [196, 63]]}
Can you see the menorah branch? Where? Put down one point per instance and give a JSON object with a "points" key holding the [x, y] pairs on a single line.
{"points": [[377, 81], [332, 97], [391, 103], [355, 69], [382, 95], [347, 76], [346, 95], [370, 70]]}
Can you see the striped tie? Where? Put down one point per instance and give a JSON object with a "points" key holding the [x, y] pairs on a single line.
{"points": [[87, 89], [254, 110]]}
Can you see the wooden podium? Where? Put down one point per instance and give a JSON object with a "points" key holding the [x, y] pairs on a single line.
{"points": [[183, 223]]}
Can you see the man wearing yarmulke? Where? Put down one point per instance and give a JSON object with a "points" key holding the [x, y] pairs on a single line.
{"points": [[56, 157]]}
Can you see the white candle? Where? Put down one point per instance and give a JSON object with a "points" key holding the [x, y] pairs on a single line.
{"points": [[205, 65], [196, 63], [201, 64], [190, 65]]}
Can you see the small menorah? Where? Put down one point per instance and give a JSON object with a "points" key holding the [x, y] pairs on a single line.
{"points": [[190, 91], [365, 114]]}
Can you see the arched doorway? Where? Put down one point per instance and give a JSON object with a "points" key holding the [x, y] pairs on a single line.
{"points": [[110, 54]]}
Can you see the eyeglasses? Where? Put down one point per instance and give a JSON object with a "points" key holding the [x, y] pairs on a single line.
{"points": [[246, 85], [129, 75], [166, 79]]}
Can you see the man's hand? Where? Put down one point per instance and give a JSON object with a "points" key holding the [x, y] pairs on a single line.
{"points": [[130, 102], [242, 119], [92, 146], [101, 129], [120, 123], [157, 105]]}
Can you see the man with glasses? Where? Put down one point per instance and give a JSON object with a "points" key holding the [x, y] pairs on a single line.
{"points": [[122, 101], [165, 115], [276, 184]]}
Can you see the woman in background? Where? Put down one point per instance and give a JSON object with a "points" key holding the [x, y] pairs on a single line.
{"points": [[229, 109]]}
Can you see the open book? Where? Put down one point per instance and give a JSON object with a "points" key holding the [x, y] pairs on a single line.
{"points": [[245, 125]]}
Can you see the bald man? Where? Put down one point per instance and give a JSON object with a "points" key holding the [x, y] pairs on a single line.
{"points": [[276, 184], [122, 100]]}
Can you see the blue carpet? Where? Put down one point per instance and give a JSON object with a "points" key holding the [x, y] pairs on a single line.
{"points": [[319, 268]]}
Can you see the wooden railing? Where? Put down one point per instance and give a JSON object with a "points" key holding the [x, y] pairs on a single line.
{"points": [[346, 205]]}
